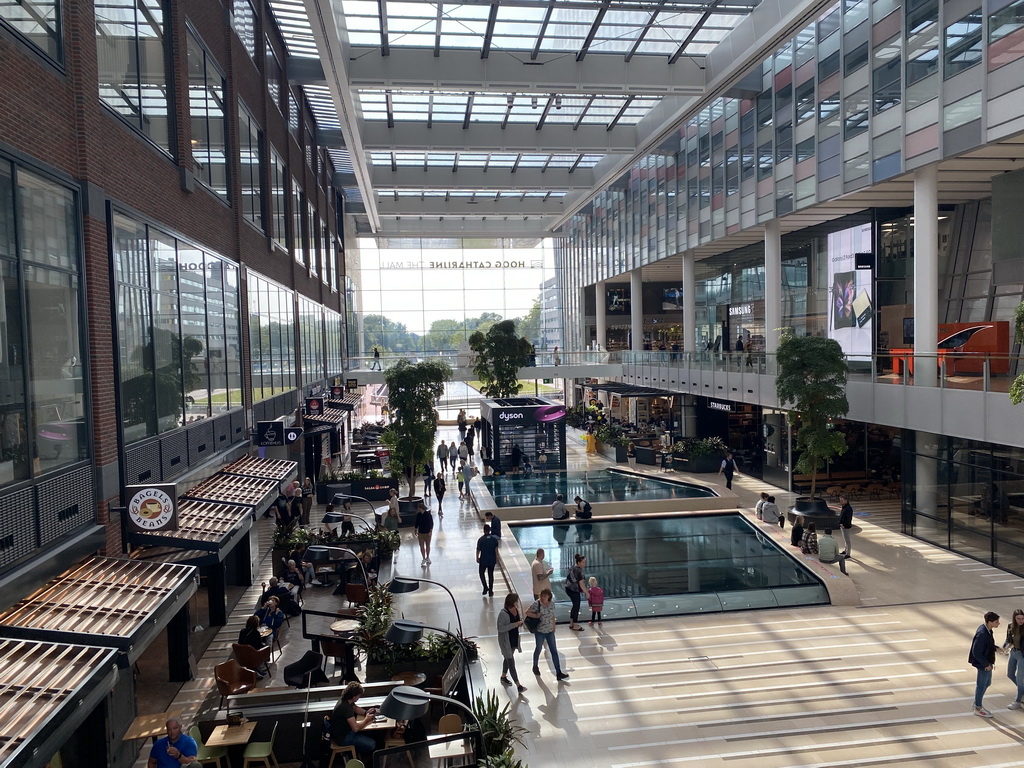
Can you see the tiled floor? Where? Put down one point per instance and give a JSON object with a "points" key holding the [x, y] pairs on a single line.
{"points": [[885, 683]]}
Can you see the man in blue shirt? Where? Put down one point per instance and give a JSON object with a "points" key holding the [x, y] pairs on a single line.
{"points": [[487, 557], [492, 520], [173, 750], [982, 658]]}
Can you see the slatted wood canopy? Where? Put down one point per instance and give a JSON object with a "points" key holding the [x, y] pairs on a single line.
{"points": [[232, 489], [328, 416], [46, 691], [345, 403], [269, 469], [103, 601]]}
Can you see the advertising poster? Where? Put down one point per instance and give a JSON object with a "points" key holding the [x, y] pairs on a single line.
{"points": [[851, 305]]}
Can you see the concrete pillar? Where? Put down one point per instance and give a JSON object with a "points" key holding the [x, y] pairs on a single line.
{"points": [[600, 305], [636, 308], [772, 285], [926, 273], [690, 341]]}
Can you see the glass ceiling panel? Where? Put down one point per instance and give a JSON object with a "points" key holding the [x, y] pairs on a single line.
{"points": [[490, 194], [492, 160]]}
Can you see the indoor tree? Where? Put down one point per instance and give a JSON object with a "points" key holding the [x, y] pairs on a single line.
{"points": [[500, 353], [1017, 387], [812, 378], [413, 392]]}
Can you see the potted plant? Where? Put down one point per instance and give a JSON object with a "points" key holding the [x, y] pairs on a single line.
{"points": [[372, 485], [612, 441], [329, 484], [413, 392], [500, 353], [1017, 386], [812, 378], [501, 733], [699, 454]]}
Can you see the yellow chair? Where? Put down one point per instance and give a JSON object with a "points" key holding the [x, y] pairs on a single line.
{"points": [[354, 764], [337, 749], [206, 754], [450, 724], [262, 752]]}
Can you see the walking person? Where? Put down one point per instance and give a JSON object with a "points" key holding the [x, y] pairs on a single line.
{"points": [[595, 597], [487, 558], [631, 454], [982, 658], [510, 619], [453, 456], [470, 437], [468, 473], [424, 532], [540, 573], [439, 489], [544, 609], [428, 476], [376, 359], [575, 588], [1015, 665], [845, 524], [460, 479], [463, 452], [308, 491], [462, 422], [728, 469], [442, 456]]}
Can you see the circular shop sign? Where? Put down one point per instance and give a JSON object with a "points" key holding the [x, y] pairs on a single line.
{"points": [[151, 509]]}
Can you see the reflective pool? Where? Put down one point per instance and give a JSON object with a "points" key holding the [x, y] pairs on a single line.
{"points": [[596, 487], [674, 565]]}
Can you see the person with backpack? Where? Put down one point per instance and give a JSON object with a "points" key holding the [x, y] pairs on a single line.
{"points": [[584, 510]]}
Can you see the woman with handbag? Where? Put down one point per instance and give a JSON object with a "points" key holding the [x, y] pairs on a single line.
{"points": [[509, 622], [575, 588], [544, 611]]}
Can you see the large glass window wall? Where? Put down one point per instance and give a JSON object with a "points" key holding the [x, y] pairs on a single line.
{"points": [[42, 397], [131, 53], [271, 337], [208, 115], [311, 341], [966, 496], [178, 330]]}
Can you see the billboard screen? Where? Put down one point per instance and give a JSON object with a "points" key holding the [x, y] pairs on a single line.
{"points": [[851, 308]]}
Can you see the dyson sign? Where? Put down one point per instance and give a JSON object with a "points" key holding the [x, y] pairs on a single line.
{"points": [[543, 415]]}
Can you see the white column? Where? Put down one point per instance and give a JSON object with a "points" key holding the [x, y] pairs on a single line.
{"points": [[690, 343], [600, 305], [636, 308], [772, 285], [926, 273]]}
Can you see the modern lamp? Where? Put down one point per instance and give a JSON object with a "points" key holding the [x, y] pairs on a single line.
{"points": [[407, 632], [407, 703], [400, 585]]}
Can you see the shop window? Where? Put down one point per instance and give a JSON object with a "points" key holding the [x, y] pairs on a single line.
{"points": [[38, 22], [962, 44], [131, 53], [208, 117]]}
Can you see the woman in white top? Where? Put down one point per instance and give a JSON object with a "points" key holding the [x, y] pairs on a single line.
{"points": [[541, 573]]}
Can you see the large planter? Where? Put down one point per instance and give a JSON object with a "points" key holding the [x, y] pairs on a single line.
{"points": [[408, 508], [378, 673], [815, 511], [614, 452], [374, 489], [698, 464], [325, 492]]}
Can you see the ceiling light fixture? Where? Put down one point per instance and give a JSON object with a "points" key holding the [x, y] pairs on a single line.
{"points": [[558, 102], [533, 102]]}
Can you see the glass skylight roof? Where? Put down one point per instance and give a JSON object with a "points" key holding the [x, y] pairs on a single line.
{"points": [[531, 108], [293, 22], [627, 27], [482, 194], [482, 160]]}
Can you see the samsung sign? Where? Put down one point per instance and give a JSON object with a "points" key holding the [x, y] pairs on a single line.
{"points": [[741, 309]]}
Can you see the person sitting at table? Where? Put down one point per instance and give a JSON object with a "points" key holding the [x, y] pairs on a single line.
{"points": [[283, 595], [174, 749], [250, 635], [308, 571], [295, 578], [348, 719], [270, 615]]}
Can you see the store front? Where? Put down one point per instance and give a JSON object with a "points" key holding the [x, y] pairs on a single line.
{"points": [[739, 427], [519, 428]]}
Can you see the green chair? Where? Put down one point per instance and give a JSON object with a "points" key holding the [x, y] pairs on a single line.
{"points": [[206, 754], [354, 764], [262, 752]]}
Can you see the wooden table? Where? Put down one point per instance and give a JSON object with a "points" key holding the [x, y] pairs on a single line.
{"points": [[265, 631], [144, 726], [409, 678], [229, 735], [449, 750], [383, 725], [343, 626]]}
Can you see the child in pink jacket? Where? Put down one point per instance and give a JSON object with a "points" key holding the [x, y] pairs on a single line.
{"points": [[596, 599]]}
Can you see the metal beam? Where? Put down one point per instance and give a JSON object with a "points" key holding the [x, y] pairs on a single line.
{"points": [[441, 177], [463, 70], [414, 226], [543, 30], [644, 31], [334, 58], [303, 71], [464, 206], [382, 14], [593, 31], [693, 32], [489, 35], [490, 137]]}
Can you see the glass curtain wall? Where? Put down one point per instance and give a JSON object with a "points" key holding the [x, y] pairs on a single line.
{"points": [[271, 337], [178, 326], [38, 21], [208, 116], [311, 341], [42, 397]]}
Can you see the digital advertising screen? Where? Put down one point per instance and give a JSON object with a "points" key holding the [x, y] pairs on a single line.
{"points": [[617, 301], [672, 299], [851, 308]]}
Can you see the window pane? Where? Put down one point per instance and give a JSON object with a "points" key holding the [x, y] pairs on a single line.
{"points": [[132, 60], [962, 44], [208, 117], [279, 216], [251, 161], [36, 20], [194, 348], [167, 345], [243, 19]]}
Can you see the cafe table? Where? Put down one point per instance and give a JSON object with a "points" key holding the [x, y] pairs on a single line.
{"points": [[144, 726], [231, 735], [343, 626], [413, 679], [445, 751]]}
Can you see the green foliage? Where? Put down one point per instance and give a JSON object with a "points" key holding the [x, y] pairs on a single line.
{"points": [[291, 536], [499, 356], [812, 377], [611, 434], [528, 326], [502, 761], [577, 416], [413, 391], [694, 447], [1017, 390], [501, 733], [1017, 387]]}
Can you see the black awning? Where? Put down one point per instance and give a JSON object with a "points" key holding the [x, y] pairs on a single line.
{"points": [[631, 390]]}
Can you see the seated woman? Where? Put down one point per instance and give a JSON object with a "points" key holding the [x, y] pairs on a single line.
{"points": [[308, 573], [270, 615], [250, 635], [294, 576]]}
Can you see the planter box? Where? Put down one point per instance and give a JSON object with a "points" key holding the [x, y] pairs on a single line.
{"points": [[325, 492], [614, 452], [374, 489], [378, 673], [699, 464], [407, 508]]}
